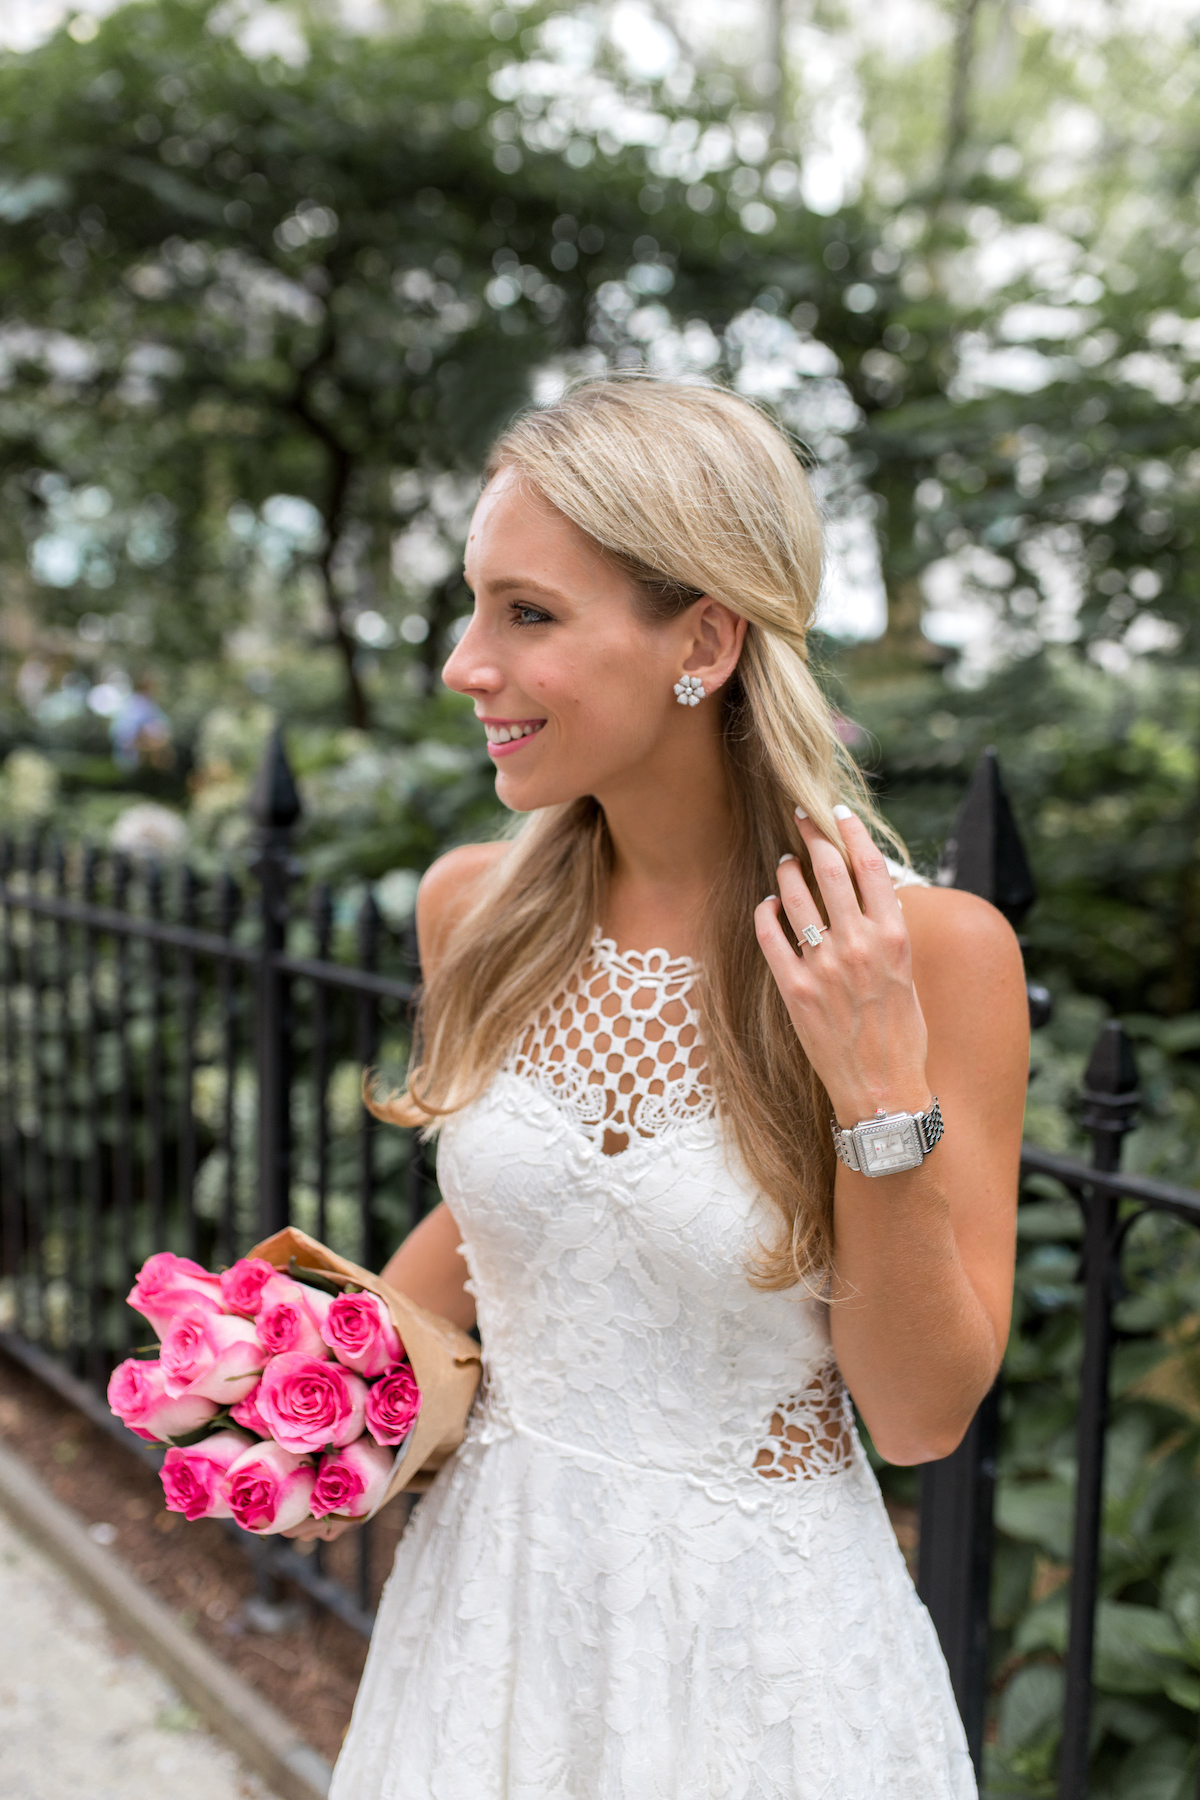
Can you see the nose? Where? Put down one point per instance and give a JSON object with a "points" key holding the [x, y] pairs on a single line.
{"points": [[469, 669]]}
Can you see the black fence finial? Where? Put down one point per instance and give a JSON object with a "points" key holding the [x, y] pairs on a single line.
{"points": [[274, 801], [984, 854]]}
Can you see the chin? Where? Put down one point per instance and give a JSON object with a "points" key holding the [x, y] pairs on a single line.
{"points": [[530, 794]]}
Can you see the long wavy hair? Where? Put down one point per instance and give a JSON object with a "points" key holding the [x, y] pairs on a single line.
{"points": [[690, 490]]}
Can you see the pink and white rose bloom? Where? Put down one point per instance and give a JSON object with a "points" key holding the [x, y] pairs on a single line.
{"points": [[168, 1285], [352, 1482], [295, 1322], [310, 1404], [138, 1395], [269, 1489], [213, 1354], [358, 1329], [246, 1413], [392, 1405], [196, 1479], [251, 1284]]}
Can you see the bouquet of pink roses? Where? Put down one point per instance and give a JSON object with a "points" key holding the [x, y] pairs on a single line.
{"points": [[291, 1386]]}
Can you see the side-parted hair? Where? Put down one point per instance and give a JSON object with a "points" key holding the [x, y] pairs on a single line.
{"points": [[690, 490]]}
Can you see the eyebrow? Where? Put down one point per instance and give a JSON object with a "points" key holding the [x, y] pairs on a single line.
{"points": [[508, 583]]}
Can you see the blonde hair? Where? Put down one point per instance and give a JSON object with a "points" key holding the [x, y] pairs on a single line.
{"points": [[690, 490]]}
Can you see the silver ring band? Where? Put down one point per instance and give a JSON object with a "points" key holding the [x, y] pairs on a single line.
{"points": [[812, 935]]}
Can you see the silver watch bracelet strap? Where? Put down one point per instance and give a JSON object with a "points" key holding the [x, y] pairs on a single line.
{"points": [[930, 1126]]}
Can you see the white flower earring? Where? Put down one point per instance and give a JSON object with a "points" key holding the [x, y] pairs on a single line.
{"points": [[689, 690]]}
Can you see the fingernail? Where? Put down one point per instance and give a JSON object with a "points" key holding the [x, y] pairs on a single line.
{"points": [[786, 857], [842, 812], [800, 813], [770, 897]]}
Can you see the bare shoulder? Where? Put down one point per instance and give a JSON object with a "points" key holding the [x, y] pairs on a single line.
{"points": [[957, 936], [447, 892]]}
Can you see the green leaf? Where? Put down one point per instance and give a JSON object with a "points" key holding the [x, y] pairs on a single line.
{"points": [[1044, 1627], [1031, 1706], [1162, 1769], [313, 1278], [1138, 1648], [1039, 1512]]}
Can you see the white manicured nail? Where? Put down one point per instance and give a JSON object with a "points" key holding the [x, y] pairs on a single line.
{"points": [[786, 857], [800, 813], [842, 812]]}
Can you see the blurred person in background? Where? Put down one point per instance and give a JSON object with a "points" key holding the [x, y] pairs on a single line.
{"points": [[140, 731]]}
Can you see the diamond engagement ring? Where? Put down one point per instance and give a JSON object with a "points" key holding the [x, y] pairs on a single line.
{"points": [[812, 935]]}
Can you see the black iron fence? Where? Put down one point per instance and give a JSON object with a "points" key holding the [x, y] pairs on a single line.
{"points": [[179, 1068], [985, 856]]}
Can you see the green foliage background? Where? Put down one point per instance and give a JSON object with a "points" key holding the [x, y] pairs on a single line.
{"points": [[261, 316]]}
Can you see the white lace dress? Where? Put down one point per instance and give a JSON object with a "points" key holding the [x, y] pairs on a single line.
{"points": [[659, 1568]]}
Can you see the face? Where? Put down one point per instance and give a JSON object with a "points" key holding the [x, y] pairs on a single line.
{"points": [[573, 687]]}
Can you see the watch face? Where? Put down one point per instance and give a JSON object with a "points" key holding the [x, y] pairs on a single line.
{"points": [[887, 1146]]}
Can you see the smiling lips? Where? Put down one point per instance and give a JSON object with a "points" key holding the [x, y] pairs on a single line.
{"points": [[506, 735]]}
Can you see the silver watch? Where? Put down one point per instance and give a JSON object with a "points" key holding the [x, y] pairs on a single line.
{"points": [[890, 1141]]}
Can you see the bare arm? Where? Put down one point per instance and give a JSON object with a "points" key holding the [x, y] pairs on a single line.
{"points": [[428, 1269], [903, 1000], [924, 1259], [427, 1266]]}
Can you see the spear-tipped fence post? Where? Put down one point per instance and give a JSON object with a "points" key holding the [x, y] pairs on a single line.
{"points": [[275, 808], [984, 856], [1110, 1103]]}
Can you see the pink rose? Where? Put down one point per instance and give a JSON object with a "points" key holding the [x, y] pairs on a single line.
{"points": [[393, 1405], [352, 1482], [269, 1489], [137, 1394], [195, 1481], [213, 1354], [309, 1404], [294, 1323], [170, 1285], [252, 1284], [360, 1333], [246, 1413]]}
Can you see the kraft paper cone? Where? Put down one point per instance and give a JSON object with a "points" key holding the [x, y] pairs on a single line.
{"points": [[446, 1361]]}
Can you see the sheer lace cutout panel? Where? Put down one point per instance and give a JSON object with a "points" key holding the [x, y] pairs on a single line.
{"points": [[810, 1434], [618, 1049]]}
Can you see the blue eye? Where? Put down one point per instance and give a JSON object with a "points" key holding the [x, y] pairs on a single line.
{"points": [[523, 614]]}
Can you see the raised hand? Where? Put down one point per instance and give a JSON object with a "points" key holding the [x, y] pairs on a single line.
{"points": [[851, 996]]}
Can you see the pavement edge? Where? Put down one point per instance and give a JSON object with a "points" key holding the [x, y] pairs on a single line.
{"points": [[260, 1734]]}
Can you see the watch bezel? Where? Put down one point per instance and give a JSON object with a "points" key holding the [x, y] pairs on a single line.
{"points": [[871, 1128]]}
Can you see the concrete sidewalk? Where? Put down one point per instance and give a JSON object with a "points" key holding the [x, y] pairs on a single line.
{"points": [[82, 1716]]}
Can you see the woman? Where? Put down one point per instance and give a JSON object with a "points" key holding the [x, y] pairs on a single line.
{"points": [[659, 1566]]}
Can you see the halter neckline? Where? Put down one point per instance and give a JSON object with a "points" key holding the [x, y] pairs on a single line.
{"points": [[641, 965]]}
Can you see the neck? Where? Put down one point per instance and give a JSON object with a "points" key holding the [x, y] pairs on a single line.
{"points": [[671, 830]]}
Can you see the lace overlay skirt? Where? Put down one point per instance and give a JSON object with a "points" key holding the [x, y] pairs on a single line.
{"points": [[561, 1626]]}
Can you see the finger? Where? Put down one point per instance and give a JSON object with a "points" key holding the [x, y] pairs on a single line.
{"points": [[796, 895], [831, 874], [879, 901], [782, 960]]}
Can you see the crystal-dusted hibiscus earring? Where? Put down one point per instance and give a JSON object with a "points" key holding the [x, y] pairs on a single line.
{"points": [[689, 690]]}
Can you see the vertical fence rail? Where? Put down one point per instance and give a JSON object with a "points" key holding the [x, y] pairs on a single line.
{"points": [[275, 806], [188, 1000], [984, 856], [1110, 1098]]}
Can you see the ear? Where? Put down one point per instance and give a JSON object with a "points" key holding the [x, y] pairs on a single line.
{"points": [[717, 637]]}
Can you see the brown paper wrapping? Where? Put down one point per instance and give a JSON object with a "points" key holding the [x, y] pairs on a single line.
{"points": [[446, 1361]]}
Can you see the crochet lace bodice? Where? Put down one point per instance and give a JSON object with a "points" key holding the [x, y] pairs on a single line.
{"points": [[611, 1257]]}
